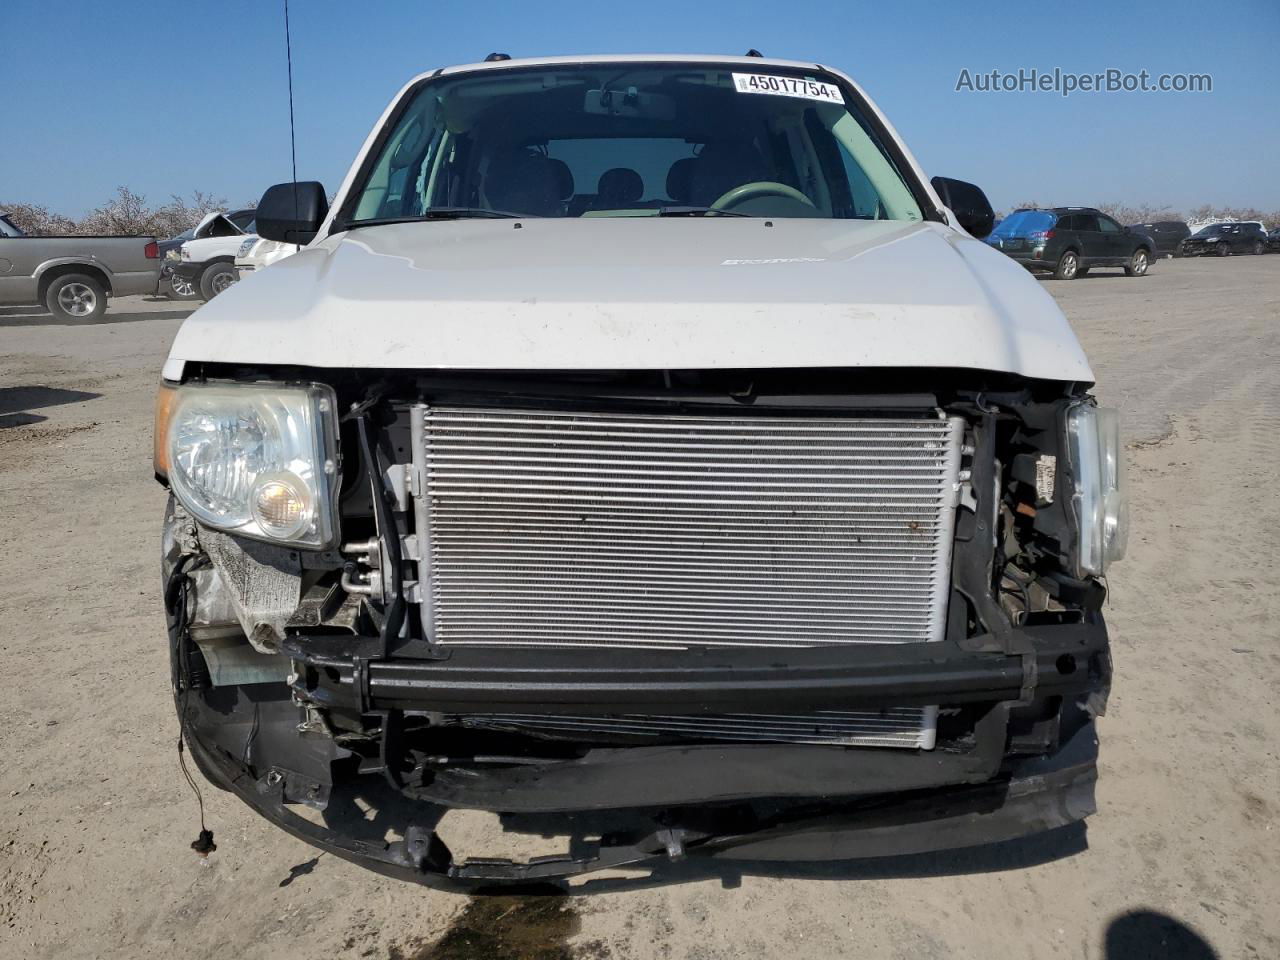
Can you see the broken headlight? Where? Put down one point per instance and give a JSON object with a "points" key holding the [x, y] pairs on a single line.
{"points": [[256, 460], [1093, 442]]}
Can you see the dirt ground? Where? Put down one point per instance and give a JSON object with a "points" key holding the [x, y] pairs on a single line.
{"points": [[1181, 861]]}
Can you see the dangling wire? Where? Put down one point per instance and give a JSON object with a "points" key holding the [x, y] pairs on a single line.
{"points": [[178, 594]]}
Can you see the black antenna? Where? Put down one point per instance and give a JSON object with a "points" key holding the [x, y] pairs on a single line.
{"points": [[293, 148]]}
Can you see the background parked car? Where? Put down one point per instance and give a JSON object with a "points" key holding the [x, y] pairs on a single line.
{"points": [[74, 276], [1224, 239], [170, 253], [207, 262], [1070, 241], [186, 285], [1167, 235], [1273, 240]]}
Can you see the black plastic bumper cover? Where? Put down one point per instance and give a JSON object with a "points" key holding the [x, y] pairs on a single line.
{"points": [[188, 270], [834, 803], [1034, 796]]}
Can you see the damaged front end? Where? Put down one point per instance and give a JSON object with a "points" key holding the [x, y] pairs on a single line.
{"points": [[731, 615]]}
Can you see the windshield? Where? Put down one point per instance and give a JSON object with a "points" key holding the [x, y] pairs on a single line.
{"points": [[609, 140], [1024, 222]]}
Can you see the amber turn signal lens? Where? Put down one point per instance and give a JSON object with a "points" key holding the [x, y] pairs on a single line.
{"points": [[166, 396]]}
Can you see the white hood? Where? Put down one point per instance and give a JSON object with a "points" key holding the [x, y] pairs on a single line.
{"points": [[640, 293]]}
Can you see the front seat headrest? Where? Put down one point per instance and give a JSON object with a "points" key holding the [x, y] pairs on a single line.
{"points": [[523, 181]]}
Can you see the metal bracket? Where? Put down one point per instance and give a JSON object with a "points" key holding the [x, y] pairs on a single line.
{"points": [[400, 482]]}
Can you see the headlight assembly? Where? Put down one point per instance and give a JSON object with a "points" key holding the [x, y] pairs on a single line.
{"points": [[256, 459], [1093, 442]]}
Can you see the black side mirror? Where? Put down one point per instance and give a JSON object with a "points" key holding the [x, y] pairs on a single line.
{"points": [[968, 203], [292, 212]]}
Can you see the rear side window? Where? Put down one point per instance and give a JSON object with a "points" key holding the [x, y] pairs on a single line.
{"points": [[1086, 222], [1067, 223], [1025, 222]]}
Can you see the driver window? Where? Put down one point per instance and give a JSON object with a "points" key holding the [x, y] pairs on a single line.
{"points": [[1107, 225]]}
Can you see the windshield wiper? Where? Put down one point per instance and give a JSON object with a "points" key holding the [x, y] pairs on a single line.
{"points": [[441, 213], [697, 212]]}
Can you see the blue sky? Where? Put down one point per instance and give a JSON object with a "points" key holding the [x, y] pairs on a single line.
{"points": [[172, 97]]}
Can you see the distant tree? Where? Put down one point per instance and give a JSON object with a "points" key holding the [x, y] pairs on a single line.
{"points": [[1142, 213], [37, 221], [126, 213]]}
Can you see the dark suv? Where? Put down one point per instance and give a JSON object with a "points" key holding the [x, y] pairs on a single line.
{"points": [[1070, 241], [1224, 239], [1166, 234]]}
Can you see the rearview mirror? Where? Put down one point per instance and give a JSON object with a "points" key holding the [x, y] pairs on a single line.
{"points": [[968, 203], [629, 102], [292, 212]]}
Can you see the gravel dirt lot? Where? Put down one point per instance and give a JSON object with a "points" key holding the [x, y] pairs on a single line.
{"points": [[95, 819]]}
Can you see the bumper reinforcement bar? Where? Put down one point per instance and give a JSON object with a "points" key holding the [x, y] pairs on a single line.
{"points": [[1063, 659]]}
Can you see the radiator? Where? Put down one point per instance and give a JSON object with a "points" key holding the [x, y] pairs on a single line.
{"points": [[655, 530]]}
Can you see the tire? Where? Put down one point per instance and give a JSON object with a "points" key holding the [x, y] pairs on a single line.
{"points": [[179, 289], [1224, 249], [1068, 266], [76, 297], [216, 278], [1139, 263], [1083, 271], [1258, 249]]}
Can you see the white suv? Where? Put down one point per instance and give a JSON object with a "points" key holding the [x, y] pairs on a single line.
{"points": [[643, 448]]}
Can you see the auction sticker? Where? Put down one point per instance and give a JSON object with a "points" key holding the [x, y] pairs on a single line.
{"points": [[787, 87]]}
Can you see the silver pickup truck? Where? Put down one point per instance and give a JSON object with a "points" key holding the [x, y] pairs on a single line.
{"points": [[74, 276]]}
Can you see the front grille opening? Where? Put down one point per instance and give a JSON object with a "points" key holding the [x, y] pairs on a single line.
{"points": [[909, 727]]}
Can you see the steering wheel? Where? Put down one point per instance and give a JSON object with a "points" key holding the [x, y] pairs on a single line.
{"points": [[759, 188]]}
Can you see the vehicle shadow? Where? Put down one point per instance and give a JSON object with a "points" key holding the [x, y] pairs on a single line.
{"points": [[989, 858], [16, 403], [1052, 281], [1149, 935], [35, 317]]}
